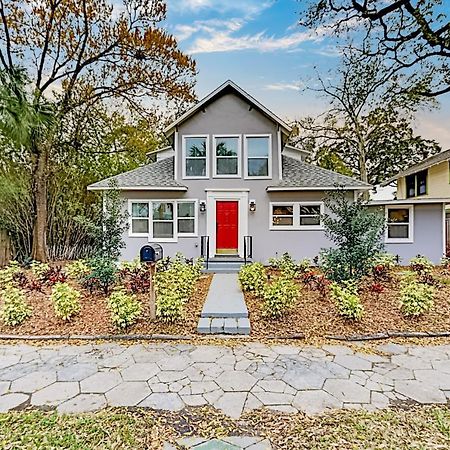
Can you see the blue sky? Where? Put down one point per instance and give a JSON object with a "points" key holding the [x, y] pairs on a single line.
{"points": [[258, 44]]}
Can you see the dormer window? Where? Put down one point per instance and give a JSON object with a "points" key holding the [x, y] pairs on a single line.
{"points": [[195, 151], [258, 156], [416, 185]]}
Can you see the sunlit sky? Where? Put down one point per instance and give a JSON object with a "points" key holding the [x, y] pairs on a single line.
{"points": [[258, 45]]}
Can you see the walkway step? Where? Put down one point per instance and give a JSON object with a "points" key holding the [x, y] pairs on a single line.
{"points": [[225, 310]]}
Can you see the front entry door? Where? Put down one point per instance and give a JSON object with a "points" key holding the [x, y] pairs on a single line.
{"points": [[227, 227]]}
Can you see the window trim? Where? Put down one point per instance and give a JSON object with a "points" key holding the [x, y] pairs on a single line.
{"points": [[296, 216], [269, 161], [183, 145], [410, 238], [239, 155], [176, 234]]}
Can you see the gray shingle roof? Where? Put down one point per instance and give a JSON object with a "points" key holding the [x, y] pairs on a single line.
{"points": [[159, 174], [428, 162], [298, 174]]}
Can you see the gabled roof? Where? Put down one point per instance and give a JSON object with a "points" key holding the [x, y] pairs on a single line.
{"points": [[228, 86], [428, 162], [298, 175], [157, 176]]}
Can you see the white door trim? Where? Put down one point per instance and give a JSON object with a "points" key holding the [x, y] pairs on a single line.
{"points": [[211, 198]]}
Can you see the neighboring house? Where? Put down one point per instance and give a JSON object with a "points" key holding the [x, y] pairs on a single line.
{"points": [[228, 174], [416, 217]]}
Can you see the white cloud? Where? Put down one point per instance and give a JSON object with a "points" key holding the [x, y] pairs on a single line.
{"points": [[208, 27], [283, 87], [247, 7]]}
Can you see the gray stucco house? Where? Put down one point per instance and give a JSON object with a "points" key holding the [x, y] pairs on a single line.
{"points": [[228, 175]]}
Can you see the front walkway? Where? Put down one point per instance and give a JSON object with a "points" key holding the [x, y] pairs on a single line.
{"points": [[167, 376]]}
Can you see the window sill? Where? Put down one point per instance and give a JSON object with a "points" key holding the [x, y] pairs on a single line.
{"points": [[399, 241], [138, 235], [163, 240], [318, 228]]}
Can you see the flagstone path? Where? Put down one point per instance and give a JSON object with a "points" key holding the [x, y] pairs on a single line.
{"points": [[75, 379]]}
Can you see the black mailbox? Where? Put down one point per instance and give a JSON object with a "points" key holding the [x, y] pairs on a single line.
{"points": [[151, 253]]}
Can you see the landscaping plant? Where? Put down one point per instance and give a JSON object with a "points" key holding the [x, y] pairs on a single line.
{"points": [[252, 277], [136, 278], [103, 275], [357, 235], [316, 282], [415, 298], [65, 301], [38, 269], [346, 296], [279, 296], [125, 309], [285, 264], [78, 269], [8, 273], [15, 309], [382, 266]]}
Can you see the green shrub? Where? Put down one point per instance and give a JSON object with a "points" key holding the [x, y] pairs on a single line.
{"points": [[421, 265], [347, 300], [7, 274], [415, 298], [385, 259], [252, 277], [103, 274], [304, 266], [279, 296], [131, 265], [285, 264], [175, 282], [65, 301], [15, 309], [125, 309], [39, 269], [78, 269]]}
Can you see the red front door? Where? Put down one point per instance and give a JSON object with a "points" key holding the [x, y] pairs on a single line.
{"points": [[227, 227]]}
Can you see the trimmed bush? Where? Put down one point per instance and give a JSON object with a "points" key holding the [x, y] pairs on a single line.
{"points": [[78, 269], [125, 309], [285, 264], [15, 309], [102, 276], [8, 273], [421, 265], [416, 298], [347, 300], [252, 278], [65, 301], [279, 296]]}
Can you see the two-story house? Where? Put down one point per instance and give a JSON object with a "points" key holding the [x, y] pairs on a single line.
{"points": [[228, 183]]}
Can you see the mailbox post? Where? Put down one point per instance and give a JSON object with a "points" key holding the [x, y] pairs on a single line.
{"points": [[150, 254]]}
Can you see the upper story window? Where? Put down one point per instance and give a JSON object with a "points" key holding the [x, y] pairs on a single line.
{"points": [[399, 224], [227, 156], [196, 158], [416, 185], [258, 156]]}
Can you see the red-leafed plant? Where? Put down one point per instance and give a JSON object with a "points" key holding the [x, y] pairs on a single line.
{"points": [[316, 282], [54, 275], [376, 288]]}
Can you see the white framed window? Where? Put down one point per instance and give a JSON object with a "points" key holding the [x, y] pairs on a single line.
{"points": [[195, 156], [227, 156], [399, 224], [163, 220], [296, 215], [258, 155]]}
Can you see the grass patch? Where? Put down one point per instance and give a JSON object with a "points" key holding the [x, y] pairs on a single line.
{"points": [[412, 428]]}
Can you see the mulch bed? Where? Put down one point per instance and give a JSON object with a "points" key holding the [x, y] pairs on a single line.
{"points": [[94, 317], [317, 317]]}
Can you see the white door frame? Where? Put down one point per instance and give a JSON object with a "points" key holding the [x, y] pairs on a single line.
{"points": [[241, 196]]}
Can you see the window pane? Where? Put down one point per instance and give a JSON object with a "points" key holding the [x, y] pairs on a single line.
{"points": [[196, 147], [258, 167], [196, 167], [309, 210], [283, 210], [139, 225], [257, 146], [186, 209], [282, 221], [186, 226], [398, 231], [139, 209], [400, 215], [310, 220], [422, 183], [163, 211], [227, 146], [162, 230], [227, 166], [410, 186]]}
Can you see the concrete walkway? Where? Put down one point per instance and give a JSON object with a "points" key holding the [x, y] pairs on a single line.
{"points": [[225, 310], [74, 379]]}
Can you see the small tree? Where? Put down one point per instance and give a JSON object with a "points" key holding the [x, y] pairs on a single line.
{"points": [[356, 233]]}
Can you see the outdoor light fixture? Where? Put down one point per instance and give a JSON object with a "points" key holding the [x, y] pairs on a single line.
{"points": [[202, 206], [252, 206]]}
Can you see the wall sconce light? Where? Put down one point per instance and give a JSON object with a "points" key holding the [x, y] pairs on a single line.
{"points": [[202, 207], [252, 206]]}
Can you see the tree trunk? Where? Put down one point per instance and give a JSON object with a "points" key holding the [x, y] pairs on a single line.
{"points": [[40, 192], [363, 167]]}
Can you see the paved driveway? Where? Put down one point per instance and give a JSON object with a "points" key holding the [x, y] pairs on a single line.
{"points": [[165, 376]]}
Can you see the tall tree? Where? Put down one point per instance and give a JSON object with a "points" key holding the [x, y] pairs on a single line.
{"points": [[412, 36], [81, 52], [367, 127]]}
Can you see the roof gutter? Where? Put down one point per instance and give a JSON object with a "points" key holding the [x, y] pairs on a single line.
{"points": [[317, 188], [138, 188]]}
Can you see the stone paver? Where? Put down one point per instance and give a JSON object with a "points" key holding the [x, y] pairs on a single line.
{"points": [[75, 379]]}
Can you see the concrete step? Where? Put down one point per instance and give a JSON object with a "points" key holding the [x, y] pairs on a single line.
{"points": [[223, 325], [224, 266]]}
